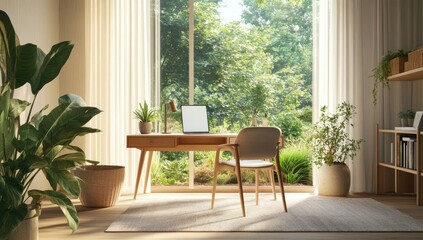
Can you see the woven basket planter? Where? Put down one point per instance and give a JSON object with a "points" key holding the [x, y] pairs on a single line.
{"points": [[100, 185]]}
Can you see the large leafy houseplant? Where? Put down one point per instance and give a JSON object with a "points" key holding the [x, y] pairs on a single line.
{"points": [[330, 140], [34, 143]]}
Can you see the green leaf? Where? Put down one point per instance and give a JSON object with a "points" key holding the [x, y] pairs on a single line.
{"points": [[23, 163], [28, 138], [72, 100], [11, 218], [64, 123], [69, 160], [51, 65], [65, 179], [11, 191], [62, 201], [26, 64], [17, 106], [8, 43], [38, 117], [7, 126]]}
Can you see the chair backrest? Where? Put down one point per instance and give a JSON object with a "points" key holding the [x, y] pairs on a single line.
{"points": [[258, 142]]}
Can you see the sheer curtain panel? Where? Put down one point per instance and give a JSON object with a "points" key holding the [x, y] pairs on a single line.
{"points": [[350, 38], [119, 40]]}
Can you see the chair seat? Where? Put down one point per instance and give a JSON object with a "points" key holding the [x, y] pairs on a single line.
{"points": [[249, 163]]}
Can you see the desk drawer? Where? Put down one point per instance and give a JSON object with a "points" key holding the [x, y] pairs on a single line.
{"points": [[151, 142]]}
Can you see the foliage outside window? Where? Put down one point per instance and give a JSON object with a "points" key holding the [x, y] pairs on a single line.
{"points": [[269, 52]]}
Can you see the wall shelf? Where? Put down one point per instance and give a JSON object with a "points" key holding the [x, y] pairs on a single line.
{"points": [[415, 74]]}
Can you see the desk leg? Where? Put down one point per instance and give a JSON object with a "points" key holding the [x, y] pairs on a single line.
{"points": [[147, 171], [140, 165]]}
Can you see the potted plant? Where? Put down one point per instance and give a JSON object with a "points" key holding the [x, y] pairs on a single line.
{"points": [[407, 117], [146, 116], [382, 71], [36, 143], [331, 147]]}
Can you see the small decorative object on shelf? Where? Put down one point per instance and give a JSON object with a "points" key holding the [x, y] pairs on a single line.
{"points": [[415, 59], [396, 65], [406, 117]]}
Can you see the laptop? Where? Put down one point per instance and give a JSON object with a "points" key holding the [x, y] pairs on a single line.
{"points": [[416, 124], [194, 119]]}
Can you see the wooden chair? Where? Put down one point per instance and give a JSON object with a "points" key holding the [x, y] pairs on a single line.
{"points": [[254, 148]]}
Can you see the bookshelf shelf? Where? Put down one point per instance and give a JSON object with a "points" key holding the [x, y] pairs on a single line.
{"points": [[398, 162], [411, 75], [388, 165]]}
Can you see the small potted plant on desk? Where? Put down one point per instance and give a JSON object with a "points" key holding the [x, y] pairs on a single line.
{"points": [[331, 147], [146, 116]]}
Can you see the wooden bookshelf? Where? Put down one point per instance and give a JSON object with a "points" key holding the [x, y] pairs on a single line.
{"points": [[393, 176], [411, 75]]}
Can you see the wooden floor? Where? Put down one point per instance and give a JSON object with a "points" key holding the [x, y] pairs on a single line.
{"points": [[53, 225]]}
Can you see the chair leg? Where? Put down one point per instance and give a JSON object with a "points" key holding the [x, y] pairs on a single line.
{"points": [[278, 171], [214, 186], [257, 186], [272, 181], [241, 192]]}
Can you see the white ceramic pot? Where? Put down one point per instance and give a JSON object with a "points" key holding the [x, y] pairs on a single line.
{"points": [[28, 229], [334, 180], [145, 127]]}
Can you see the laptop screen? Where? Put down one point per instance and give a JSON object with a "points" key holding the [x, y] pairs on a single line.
{"points": [[194, 119]]}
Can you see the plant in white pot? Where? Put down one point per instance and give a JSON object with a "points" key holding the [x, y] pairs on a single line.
{"points": [[146, 116], [35, 143], [332, 146], [407, 117]]}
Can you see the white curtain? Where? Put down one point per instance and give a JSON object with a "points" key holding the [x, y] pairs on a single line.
{"points": [[119, 77], [350, 38]]}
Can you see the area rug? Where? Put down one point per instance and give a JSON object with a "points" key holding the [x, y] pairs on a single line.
{"points": [[307, 214]]}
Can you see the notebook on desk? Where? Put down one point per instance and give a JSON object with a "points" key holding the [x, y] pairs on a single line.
{"points": [[418, 123], [194, 119]]}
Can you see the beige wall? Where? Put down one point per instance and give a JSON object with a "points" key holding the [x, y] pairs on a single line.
{"points": [[72, 28]]}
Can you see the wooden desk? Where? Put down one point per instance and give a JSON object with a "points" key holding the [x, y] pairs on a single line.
{"points": [[172, 142]]}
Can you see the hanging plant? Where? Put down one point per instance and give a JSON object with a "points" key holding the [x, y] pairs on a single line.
{"points": [[382, 71]]}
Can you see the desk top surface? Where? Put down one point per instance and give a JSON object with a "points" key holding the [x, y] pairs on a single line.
{"points": [[184, 135]]}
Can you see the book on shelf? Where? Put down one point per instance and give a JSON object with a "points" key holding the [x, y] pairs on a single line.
{"points": [[407, 153], [392, 153]]}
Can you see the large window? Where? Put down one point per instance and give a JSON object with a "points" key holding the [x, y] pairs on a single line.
{"points": [[250, 58]]}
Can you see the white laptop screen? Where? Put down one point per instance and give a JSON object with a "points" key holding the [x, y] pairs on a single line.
{"points": [[194, 119]]}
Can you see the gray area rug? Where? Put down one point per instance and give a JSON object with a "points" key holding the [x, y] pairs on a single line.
{"points": [[306, 214]]}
